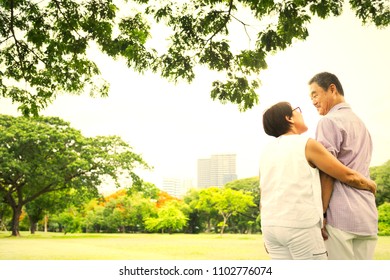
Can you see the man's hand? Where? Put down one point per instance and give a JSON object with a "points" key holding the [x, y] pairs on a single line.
{"points": [[324, 232], [372, 187], [265, 247]]}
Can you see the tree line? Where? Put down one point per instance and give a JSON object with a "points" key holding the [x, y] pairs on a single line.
{"points": [[213, 210], [50, 176], [49, 169]]}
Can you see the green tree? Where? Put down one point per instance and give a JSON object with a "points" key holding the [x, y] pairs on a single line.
{"points": [[44, 155], [169, 218], [381, 176], [384, 219], [44, 44], [94, 219], [251, 185], [5, 214], [113, 215], [119, 212], [196, 218], [70, 221], [247, 221], [206, 204], [139, 209], [37, 209], [54, 203], [230, 202], [147, 190]]}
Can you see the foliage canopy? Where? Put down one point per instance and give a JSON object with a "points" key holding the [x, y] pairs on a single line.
{"points": [[44, 44]]}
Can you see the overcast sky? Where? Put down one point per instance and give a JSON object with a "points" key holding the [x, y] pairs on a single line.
{"points": [[174, 125]]}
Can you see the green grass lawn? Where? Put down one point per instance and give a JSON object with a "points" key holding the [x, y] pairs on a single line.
{"points": [[57, 246]]}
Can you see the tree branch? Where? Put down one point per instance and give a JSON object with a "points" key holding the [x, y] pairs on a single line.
{"points": [[66, 18], [224, 25], [14, 35]]}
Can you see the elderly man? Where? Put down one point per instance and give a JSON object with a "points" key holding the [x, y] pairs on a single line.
{"points": [[351, 214]]}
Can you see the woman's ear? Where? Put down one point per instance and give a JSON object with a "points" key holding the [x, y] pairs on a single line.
{"points": [[290, 119]]}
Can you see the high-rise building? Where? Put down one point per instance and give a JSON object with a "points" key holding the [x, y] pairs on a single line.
{"points": [[217, 170], [176, 187], [204, 173]]}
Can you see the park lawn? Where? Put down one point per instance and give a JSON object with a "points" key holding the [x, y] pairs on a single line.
{"points": [[57, 246]]}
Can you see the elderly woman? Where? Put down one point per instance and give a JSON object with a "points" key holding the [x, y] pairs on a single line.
{"points": [[291, 205]]}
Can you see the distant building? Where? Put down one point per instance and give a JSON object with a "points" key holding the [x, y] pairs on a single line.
{"points": [[204, 173], [176, 187], [217, 170]]}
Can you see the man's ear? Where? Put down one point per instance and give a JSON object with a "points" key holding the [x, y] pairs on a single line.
{"points": [[333, 88]]}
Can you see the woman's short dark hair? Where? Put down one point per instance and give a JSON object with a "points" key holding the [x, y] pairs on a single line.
{"points": [[274, 119]]}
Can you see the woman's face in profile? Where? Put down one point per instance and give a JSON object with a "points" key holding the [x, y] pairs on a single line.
{"points": [[299, 122]]}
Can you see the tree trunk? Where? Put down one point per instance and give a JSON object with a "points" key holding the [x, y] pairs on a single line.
{"points": [[224, 224], [208, 230], [17, 212], [33, 225], [46, 219], [225, 219]]}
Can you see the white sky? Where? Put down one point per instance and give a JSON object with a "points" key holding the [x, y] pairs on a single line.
{"points": [[172, 126]]}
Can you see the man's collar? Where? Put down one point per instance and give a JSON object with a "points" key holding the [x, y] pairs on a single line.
{"points": [[342, 105]]}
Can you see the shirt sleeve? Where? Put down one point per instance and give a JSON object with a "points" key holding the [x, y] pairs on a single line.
{"points": [[329, 135]]}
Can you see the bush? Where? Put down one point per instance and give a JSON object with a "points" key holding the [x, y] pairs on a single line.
{"points": [[384, 219]]}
